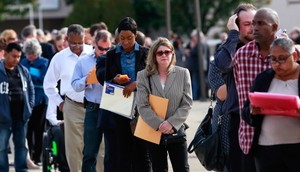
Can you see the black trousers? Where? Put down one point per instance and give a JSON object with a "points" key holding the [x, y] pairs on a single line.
{"points": [[277, 158], [237, 160], [35, 131], [140, 156], [177, 153], [123, 151], [133, 153]]}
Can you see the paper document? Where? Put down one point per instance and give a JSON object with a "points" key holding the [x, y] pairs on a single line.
{"points": [[34, 71], [276, 104], [143, 130], [92, 78], [114, 101]]}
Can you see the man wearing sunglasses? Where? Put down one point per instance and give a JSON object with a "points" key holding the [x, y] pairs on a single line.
{"points": [[92, 96]]}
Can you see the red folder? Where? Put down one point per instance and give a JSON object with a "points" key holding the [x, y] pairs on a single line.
{"points": [[276, 104]]}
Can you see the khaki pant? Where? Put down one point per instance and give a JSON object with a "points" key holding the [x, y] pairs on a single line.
{"points": [[74, 129]]}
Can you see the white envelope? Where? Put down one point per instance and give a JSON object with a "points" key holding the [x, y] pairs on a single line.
{"points": [[114, 101]]}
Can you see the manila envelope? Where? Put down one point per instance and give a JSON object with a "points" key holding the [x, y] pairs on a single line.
{"points": [[143, 130], [92, 79]]}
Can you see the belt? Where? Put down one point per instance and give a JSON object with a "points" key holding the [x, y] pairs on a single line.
{"points": [[78, 103], [91, 104]]}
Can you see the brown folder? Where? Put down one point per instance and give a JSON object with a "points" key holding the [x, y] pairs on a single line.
{"points": [[92, 79], [143, 130]]}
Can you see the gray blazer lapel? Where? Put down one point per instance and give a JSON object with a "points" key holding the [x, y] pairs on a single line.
{"points": [[157, 84], [170, 80]]}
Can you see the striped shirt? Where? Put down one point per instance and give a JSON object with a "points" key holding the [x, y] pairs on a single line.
{"points": [[248, 62]]}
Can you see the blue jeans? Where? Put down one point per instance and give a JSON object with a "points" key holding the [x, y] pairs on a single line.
{"points": [[18, 129], [92, 139], [195, 85]]}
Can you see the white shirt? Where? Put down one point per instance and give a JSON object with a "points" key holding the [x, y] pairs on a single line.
{"points": [[61, 68], [281, 129], [51, 114]]}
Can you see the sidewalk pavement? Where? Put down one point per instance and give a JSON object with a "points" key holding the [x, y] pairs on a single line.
{"points": [[198, 112]]}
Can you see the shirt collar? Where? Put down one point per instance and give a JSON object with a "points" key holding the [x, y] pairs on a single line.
{"points": [[119, 48], [86, 50]]}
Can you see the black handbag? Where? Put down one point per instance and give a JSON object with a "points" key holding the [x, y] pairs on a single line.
{"points": [[177, 137], [207, 144], [134, 120]]}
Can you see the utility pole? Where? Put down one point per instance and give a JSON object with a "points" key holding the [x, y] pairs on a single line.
{"points": [[168, 18], [40, 14], [200, 50]]}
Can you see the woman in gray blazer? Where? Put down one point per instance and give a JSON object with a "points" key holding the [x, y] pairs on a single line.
{"points": [[174, 83]]}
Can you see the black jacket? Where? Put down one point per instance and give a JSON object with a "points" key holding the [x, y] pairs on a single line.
{"points": [[111, 68], [261, 84]]}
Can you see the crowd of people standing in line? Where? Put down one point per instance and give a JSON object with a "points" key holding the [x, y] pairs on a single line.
{"points": [[41, 79], [253, 47], [54, 80]]}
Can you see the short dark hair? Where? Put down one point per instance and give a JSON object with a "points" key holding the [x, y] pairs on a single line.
{"points": [[140, 38], [28, 30], [103, 26], [59, 37], [243, 7], [127, 24], [13, 46], [75, 29], [97, 26], [103, 35]]}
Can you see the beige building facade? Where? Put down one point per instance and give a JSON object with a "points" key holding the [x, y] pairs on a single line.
{"points": [[53, 13], [288, 11]]}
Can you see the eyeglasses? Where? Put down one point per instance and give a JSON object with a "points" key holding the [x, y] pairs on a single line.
{"points": [[103, 49], [166, 52], [75, 44], [280, 60]]}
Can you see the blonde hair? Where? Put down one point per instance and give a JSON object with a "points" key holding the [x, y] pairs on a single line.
{"points": [[151, 67], [9, 34]]}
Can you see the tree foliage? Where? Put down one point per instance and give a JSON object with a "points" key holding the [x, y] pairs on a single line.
{"points": [[5, 10], [88, 12], [151, 14]]}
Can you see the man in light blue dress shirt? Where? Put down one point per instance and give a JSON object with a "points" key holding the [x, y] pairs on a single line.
{"points": [[92, 93]]}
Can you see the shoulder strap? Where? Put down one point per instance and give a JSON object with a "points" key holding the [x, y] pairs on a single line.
{"points": [[150, 85], [211, 106]]}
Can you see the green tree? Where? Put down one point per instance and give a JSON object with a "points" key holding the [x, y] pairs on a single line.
{"points": [[148, 15], [5, 10], [88, 12], [151, 14]]}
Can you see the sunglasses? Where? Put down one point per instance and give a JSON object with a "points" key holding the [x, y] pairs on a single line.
{"points": [[166, 52], [103, 49]]}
